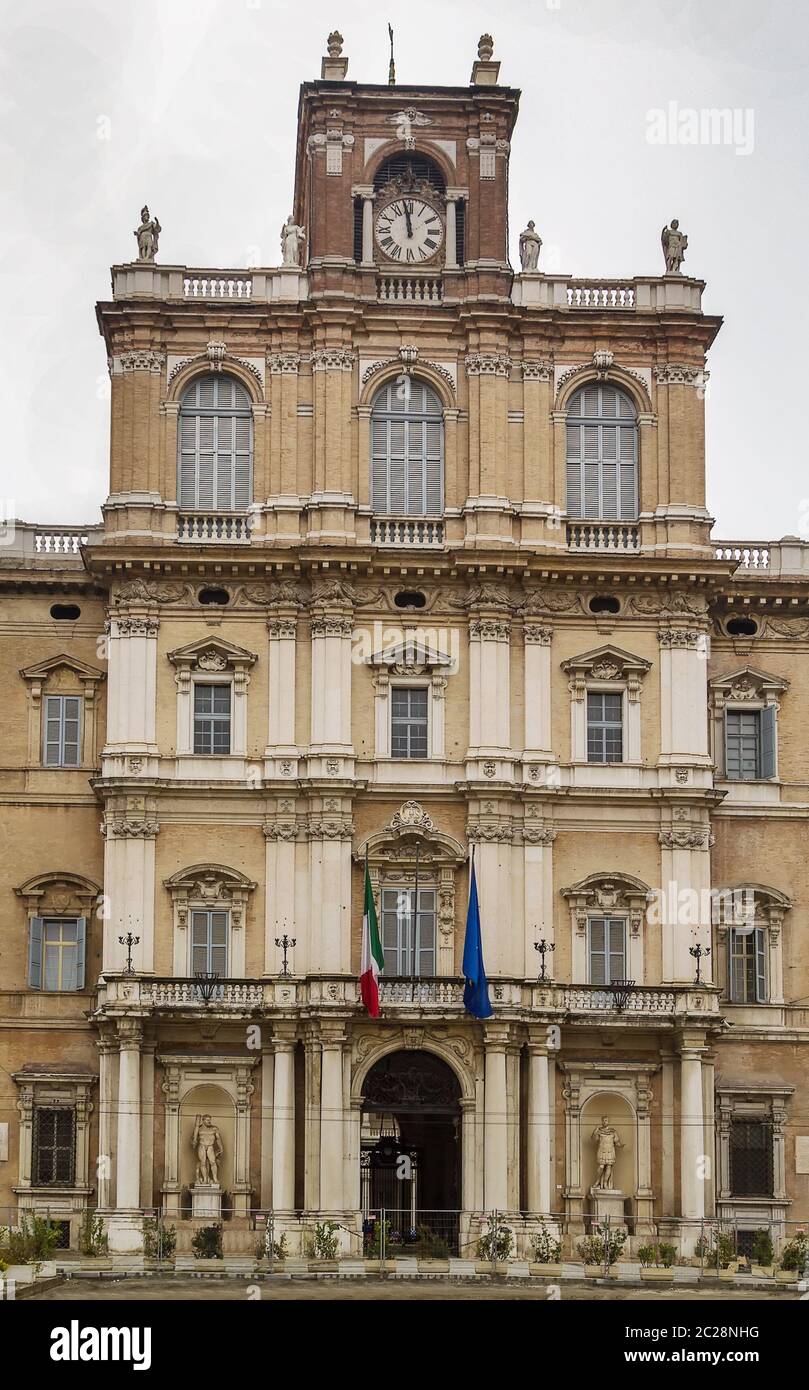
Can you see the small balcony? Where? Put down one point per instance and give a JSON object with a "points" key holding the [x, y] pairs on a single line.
{"points": [[409, 289], [605, 537], [407, 531], [427, 993], [213, 528]]}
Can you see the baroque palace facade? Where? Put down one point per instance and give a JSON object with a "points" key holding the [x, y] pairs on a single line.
{"points": [[403, 554]]}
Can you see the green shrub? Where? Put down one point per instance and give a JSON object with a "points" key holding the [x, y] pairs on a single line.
{"points": [[92, 1238], [794, 1253], [647, 1254], [32, 1243], [546, 1250], [159, 1241], [207, 1243], [725, 1249], [667, 1254], [762, 1248], [602, 1247], [280, 1249], [496, 1244], [325, 1241]]}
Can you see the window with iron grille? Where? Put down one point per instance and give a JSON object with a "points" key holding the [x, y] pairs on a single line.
{"points": [[62, 738], [407, 450], [602, 455], [747, 956], [408, 722], [751, 1158], [54, 1156], [607, 950], [605, 726], [215, 446], [408, 938], [211, 718]]}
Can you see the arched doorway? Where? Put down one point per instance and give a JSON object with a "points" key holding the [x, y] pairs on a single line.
{"points": [[410, 1157]]}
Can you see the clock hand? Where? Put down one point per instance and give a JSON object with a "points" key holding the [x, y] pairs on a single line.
{"points": [[409, 223]]}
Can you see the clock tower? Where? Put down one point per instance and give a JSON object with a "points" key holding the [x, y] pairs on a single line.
{"points": [[403, 190]]}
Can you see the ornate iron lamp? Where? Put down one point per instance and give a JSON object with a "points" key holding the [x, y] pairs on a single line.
{"points": [[620, 991], [206, 984], [129, 941], [543, 947], [698, 952], [285, 943]]}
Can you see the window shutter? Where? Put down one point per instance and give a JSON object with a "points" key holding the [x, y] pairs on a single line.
{"points": [[35, 953], [396, 466], [629, 473], [71, 709], [597, 952], [609, 469], [414, 495], [617, 962], [768, 741], [81, 950], [732, 746], [761, 965]]}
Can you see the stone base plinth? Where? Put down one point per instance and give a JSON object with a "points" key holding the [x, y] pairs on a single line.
{"points": [[124, 1232], [206, 1201], [608, 1202]]}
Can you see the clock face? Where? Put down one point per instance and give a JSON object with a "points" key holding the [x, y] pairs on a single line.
{"points": [[408, 230]]}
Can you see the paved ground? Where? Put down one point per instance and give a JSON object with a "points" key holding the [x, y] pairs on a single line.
{"points": [[377, 1290]]}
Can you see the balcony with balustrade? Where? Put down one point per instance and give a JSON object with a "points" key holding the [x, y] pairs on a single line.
{"points": [[641, 294]]}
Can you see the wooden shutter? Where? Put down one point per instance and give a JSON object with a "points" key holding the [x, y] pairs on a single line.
{"points": [[733, 751], [761, 965], [609, 473], [574, 471], [35, 953], [598, 953], [379, 465], [205, 462], [407, 451], [628, 451], [767, 741], [617, 940], [81, 950], [434, 467], [396, 466], [71, 730]]}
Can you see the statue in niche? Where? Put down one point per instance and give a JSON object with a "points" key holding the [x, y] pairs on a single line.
{"points": [[608, 1142], [147, 236], [530, 244], [674, 243], [207, 1142], [292, 240]]}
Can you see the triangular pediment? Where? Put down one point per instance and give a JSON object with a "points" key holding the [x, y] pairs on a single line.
{"points": [[410, 655], [607, 663], [748, 682], [42, 669], [212, 654]]}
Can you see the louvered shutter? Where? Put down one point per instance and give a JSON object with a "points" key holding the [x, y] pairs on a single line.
{"points": [[414, 487], [761, 965], [617, 963], [215, 446], [629, 472], [598, 954], [206, 445], [81, 951], [71, 736], [224, 463], [601, 455], [53, 731], [396, 466], [242, 462], [592, 472], [35, 953], [188, 461], [609, 473], [407, 451], [767, 723], [379, 466], [434, 491]]}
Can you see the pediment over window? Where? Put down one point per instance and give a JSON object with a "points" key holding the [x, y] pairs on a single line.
{"points": [[209, 886], [742, 903], [59, 894], [609, 893], [54, 669], [607, 663], [213, 655], [747, 684], [410, 657]]}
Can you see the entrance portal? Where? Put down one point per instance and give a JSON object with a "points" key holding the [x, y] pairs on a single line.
{"points": [[411, 1154]]}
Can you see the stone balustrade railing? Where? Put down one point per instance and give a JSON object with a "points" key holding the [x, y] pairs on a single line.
{"points": [[650, 293], [772, 559], [410, 289], [212, 527], [60, 545], [424, 993], [401, 531], [616, 536], [145, 280]]}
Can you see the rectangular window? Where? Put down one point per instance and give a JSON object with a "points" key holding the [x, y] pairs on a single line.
{"points": [[209, 943], [62, 742], [54, 1155], [605, 727], [407, 937], [56, 952], [751, 1159], [750, 744], [408, 723], [607, 950], [748, 965], [211, 719]]}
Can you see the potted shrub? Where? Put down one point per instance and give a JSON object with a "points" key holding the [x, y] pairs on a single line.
{"points": [[763, 1257], [280, 1249], [159, 1240], [600, 1252], [702, 1252], [494, 1249], [547, 1253], [27, 1251], [657, 1263], [372, 1244], [323, 1246], [93, 1243], [207, 1245], [726, 1254], [793, 1259], [432, 1251]]}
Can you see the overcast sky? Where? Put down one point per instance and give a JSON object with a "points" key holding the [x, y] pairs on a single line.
{"points": [[190, 105]]}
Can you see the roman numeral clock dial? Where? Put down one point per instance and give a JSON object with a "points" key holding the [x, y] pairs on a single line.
{"points": [[408, 231]]}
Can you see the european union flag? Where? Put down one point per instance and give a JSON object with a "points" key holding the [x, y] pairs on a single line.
{"points": [[476, 989]]}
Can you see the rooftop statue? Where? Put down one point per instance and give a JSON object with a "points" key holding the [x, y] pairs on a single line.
{"points": [[147, 235], [292, 240], [530, 243], [674, 243]]}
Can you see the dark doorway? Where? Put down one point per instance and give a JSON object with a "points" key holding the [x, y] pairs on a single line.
{"points": [[411, 1154]]}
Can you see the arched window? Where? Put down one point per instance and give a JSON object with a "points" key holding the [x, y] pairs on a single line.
{"points": [[407, 450], [215, 446], [602, 455]]}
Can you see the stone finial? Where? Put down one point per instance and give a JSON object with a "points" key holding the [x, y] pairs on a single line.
{"points": [[485, 72], [334, 67]]}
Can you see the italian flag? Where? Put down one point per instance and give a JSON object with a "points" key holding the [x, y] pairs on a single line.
{"points": [[373, 961]]}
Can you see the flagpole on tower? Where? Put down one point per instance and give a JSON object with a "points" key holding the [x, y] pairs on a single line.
{"points": [[392, 65]]}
